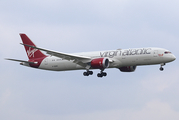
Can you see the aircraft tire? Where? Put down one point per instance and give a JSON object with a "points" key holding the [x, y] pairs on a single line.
{"points": [[90, 72], [161, 68], [104, 74], [99, 75], [86, 74]]}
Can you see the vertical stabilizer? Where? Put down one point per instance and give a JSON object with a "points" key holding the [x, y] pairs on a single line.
{"points": [[31, 52]]}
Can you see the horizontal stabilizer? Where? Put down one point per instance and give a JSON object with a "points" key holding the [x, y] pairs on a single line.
{"points": [[21, 61]]}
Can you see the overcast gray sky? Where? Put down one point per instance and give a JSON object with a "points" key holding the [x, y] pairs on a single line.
{"points": [[79, 26]]}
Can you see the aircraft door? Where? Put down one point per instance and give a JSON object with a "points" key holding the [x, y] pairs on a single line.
{"points": [[155, 53], [46, 61]]}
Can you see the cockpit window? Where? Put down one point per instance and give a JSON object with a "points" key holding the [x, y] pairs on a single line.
{"points": [[167, 52]]}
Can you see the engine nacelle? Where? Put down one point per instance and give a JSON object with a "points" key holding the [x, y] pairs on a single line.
{"points": [[127, 69], [100, 63]]}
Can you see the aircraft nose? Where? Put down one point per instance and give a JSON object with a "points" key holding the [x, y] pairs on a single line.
{"points": [[173, 58]]}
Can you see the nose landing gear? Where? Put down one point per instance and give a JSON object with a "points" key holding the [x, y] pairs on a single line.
{"points": [[161, 68]]}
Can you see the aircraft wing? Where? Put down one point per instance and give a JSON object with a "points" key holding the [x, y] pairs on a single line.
{"points": [[81, 60]]}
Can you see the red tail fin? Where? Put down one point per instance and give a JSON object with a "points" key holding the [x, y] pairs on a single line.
{"points": [[31, 52]]}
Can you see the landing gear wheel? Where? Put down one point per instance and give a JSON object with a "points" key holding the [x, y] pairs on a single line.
{"points": [[90, 72], [104, 73], [161, 68], [86, 74], [99, 75]]}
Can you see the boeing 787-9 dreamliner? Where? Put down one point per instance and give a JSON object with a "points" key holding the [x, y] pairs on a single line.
{"points": [[126, 60]]}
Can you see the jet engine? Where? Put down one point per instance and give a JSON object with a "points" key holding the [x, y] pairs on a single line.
{"points": [[127, 69], [100, 63]]}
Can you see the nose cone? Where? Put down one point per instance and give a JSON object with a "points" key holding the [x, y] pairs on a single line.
{"points": [[173, 57]]}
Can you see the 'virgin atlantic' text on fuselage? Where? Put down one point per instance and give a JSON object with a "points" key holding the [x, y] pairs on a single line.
{"points": [[127, 52]]}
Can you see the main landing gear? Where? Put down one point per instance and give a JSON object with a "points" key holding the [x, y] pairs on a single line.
{"points": [[161, 68], [88, 73], [101, 74]]}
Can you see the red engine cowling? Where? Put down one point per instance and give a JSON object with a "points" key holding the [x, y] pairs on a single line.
{"points": [[127, 69], [100, 63]]}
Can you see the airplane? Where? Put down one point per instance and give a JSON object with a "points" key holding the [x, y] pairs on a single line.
{"points": [[126, 60]]}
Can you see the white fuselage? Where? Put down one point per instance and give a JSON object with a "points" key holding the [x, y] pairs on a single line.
{"points": [[118, 58]]}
